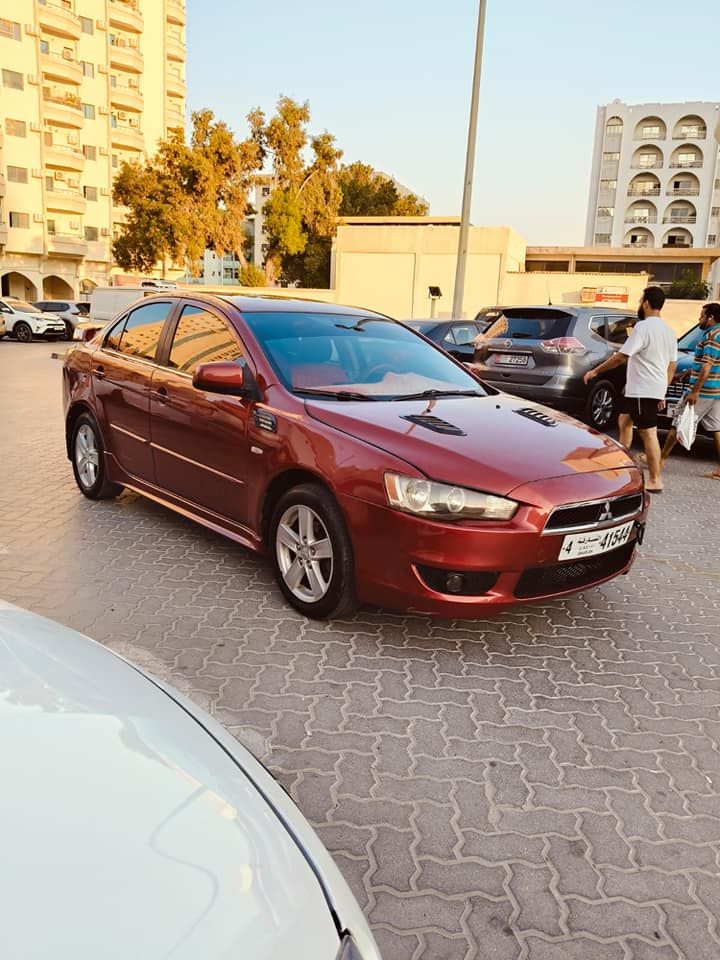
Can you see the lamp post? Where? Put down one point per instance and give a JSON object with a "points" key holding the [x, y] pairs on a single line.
{"points": [[459, 292]]}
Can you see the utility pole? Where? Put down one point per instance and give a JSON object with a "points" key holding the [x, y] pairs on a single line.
{"points": [[469, 169]]}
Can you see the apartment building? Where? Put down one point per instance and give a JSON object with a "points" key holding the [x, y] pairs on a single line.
{"points": [[84, 85], [655, 176]]}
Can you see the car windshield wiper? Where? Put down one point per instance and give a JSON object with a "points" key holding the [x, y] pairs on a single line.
{"points": [[334, 394], [433, 394]]}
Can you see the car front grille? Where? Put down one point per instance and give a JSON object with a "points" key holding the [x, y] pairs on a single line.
{"points": [[581, 516], [540, 581]]}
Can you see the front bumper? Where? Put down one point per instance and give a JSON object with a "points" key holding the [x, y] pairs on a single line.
{"points": [[402, 561]]}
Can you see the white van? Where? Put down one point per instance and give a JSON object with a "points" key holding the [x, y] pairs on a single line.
{"points": [[107, 302]]}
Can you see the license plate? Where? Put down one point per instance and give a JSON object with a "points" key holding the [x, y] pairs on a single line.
{"points": [[516, 359], [596, 541]]}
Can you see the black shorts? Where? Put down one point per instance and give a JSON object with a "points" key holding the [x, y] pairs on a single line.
{"points": [[643, 411]]}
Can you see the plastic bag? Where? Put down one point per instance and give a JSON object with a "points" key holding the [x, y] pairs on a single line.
{"points": [[687, 426]]}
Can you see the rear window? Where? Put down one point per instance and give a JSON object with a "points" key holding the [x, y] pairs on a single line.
{"points": [[530, 324]]}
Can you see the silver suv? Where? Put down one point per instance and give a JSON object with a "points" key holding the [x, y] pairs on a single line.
{"points": [[69, 311]]}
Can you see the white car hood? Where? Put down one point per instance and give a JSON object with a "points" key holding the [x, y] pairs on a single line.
{"points": [[126, 829]]}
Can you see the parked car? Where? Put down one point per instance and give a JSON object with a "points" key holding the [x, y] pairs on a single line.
{"points": [[23, 321], [542, 353], [141, 828], [107, 302], [366, 462], [159, 284], [456, 337], [69, 311], [3, 328]]}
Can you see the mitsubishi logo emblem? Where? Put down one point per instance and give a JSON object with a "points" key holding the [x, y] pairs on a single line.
{"points": [[606, 512]]}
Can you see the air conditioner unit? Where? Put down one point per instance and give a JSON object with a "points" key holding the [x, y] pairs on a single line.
{"points": [[73, 139], [102, 68], [74, 224], [38, 218], [122, 115], [33, 79], [37, 173], [100, 24], [30, 30], [102, 151], [104, 192], [35, 127], [59, 175], [103, 111], [104, 232]]}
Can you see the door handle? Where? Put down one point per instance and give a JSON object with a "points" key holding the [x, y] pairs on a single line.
{"points": [[161, 395], [99, 372]]}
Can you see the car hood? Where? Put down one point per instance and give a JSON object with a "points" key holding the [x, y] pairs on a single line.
{"points": [[23, 315], [493, 443], [130, 831]]}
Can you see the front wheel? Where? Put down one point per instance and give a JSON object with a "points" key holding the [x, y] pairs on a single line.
{"points": [[88, 460], [312, 554], [601, 405], [23, 332]]}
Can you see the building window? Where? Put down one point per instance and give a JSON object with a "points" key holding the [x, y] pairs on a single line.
{"points": [[88, 111], [606, 211], [92, 233], [602, 239], [715, 212], [614, 129], [651, 132], [88, 69], [90, 193], [113, 121], [13, 79], [9, 29], [712, 239], [266, 191], [51, 227], [17, 174], [15, 128], [115, 161], [611, 157], [608, 184], [89, 152], [86, 25], [20, 220]]}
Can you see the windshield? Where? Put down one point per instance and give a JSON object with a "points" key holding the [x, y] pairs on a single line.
{"points": [[21, 305], [345, 354], [690, 340]]}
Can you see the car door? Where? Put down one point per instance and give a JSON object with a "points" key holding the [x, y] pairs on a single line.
{"points": [[121, 373], [199, 440]]}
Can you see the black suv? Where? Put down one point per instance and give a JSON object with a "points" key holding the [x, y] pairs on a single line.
{"points": [[542, 353]]}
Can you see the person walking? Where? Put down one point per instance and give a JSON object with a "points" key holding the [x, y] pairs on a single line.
{"points": [[651, 356], [702, 388]]}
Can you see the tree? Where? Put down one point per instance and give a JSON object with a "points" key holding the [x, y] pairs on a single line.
{"points": [[688, 287], [252, 276], [367, 193], [188, 197]]}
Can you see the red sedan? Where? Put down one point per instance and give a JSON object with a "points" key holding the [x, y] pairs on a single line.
{"points": [[364, 461]]}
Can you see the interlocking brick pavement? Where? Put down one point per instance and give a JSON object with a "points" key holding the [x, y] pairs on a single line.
{"points": [[539, 786]]}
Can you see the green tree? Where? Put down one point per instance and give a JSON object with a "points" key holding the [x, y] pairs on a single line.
{"points": [[367, 193], [252, 276], [688, 287]]}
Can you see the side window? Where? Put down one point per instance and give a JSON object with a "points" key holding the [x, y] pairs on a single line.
{"points": [[619, 328], [138, 334], [201, 337], [465, 333]]}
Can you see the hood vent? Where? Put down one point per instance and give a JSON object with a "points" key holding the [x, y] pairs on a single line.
{"points": [[537, 416], [435, 424]]}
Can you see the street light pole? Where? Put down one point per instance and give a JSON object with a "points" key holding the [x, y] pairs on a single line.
{"points": [[459, 292]]}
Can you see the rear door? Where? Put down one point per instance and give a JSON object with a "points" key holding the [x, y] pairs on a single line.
{"points": [[526, 345], [122, 371]]}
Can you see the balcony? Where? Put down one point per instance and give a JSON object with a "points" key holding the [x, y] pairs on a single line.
{"points": [[125, 55], [653, 191], [3, 233], [642, 218], [675, 218], [699, 134], [63, 109], [66, 245], [127, 137], [175, 47], [125, 15], [175, 86], [65, 201], [126, 97], [655, 164], [58, 20], [683, 191], [175, 11], [638, 243], [63, 156], [683, 245], [2, 185], [61, 66], [685, 164]]}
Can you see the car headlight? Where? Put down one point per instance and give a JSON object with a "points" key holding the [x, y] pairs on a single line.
{"points": [[440, 500]]}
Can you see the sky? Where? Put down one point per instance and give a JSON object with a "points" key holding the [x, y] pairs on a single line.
{"points": [[391, 80]]}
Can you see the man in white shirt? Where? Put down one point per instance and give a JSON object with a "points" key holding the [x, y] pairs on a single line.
{"points": [[651, 356]]}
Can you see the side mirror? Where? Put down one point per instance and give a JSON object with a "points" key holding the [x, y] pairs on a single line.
{"points": [[226, 376], [89, 332]]}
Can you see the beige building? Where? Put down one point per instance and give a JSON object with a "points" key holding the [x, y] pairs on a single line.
{"points": [[84, 85]]}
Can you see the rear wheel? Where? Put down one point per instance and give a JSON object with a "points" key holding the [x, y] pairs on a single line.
{"points": [[22, 332], [312, 553], [88, 460], [601, 405]]}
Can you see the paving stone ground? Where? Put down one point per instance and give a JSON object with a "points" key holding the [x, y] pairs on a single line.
{"points": [[540, 786]]}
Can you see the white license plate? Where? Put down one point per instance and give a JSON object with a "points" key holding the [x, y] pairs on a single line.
{"points": [[596, 541], [516, 359]]}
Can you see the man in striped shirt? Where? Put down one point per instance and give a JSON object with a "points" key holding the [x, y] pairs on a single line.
{"points": [[703, 384]]}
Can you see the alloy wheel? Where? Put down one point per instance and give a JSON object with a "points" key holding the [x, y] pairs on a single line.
{"points": [[602, 407], [87, 456], [23, 333], [304, 553]]}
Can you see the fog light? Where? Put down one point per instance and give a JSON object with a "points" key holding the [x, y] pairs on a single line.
{"points": [[454, 583]]}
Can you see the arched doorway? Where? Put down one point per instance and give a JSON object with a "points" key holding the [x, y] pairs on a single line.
{"points": [[16, 284], [55, 288]]}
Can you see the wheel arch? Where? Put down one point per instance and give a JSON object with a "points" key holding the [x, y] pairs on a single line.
{"points": [[278, 486], [75, 411]]}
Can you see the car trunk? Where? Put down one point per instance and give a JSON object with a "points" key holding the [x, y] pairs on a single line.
{"points": [[526, 346]]}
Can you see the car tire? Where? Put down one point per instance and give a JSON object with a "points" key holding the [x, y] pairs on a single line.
{"points": [[88, 461], [23, 332], [312, 554], [601, 405]]}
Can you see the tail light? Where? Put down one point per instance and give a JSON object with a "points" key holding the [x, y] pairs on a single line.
{"points": [[567, 345]]}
